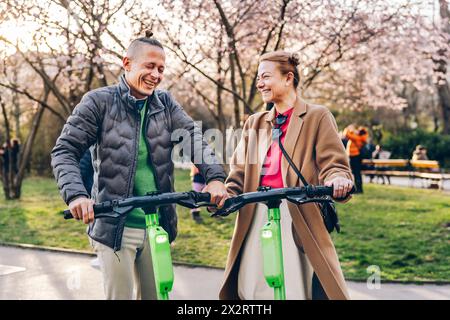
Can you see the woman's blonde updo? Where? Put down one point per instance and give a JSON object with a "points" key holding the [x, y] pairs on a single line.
{"points": [[287, 62]]}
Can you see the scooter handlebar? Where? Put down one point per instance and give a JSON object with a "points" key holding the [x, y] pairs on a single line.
{"points": [[311, 192], [188, 199], [98, 209], [202, 197], [320, 191]]}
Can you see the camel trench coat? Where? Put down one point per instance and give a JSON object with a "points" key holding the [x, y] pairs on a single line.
{"points": [[314, 145]]}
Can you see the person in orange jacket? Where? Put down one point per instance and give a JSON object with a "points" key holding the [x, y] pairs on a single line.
{"points": [[198, 184], [357, 138]]}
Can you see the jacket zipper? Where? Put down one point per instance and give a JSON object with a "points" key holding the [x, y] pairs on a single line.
{"points": [[136, 146], [133, 171], [149, 150]]}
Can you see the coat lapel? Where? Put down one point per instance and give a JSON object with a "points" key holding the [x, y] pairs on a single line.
{"points": [[265, 138], [258, 144]]}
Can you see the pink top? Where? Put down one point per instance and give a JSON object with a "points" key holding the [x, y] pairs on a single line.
{"points": [[271, 169]]}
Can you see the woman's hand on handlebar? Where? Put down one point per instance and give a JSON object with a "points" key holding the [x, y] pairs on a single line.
{"points": [[82, 208], [341, 188]]}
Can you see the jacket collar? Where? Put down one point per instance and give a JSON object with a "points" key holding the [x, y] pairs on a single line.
{"points": [[130, 101], [300, 108], [292, 135]]}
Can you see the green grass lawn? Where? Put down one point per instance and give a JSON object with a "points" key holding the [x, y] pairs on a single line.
{"points": [[405, 232]]}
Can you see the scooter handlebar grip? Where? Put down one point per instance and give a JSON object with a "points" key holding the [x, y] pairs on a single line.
{"points": [[203, 197], [325, 191], [319, 191], [67, 214], [98, 208]]}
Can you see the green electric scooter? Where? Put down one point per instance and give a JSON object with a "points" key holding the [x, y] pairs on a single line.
{"points": [[271, 232], [158, 237]]}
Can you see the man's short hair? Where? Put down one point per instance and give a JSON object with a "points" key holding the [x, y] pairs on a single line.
{"points": [[147, 39]]}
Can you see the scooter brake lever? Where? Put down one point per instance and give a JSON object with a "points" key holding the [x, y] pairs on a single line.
{"points": [[188, 203], [229, 207], [303, 200]]}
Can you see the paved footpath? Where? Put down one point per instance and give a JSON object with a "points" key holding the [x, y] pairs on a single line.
{"points": [[36, 274], [406, 182]]}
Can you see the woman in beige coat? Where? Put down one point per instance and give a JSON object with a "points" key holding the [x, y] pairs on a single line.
{"points": [[312, 268]]}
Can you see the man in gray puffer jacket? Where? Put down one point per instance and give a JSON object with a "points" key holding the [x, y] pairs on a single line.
{"points": [[129, 126]]}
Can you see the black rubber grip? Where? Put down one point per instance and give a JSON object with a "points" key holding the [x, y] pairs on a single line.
{"points": [[98, 208], [67, 214], [326, 191], [203, 197], [319, 191]]}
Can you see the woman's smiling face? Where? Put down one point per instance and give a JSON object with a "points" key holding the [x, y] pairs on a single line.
{"points": [[272, 85]]}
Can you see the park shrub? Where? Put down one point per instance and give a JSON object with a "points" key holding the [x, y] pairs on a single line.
{"points": [[403, 143]]}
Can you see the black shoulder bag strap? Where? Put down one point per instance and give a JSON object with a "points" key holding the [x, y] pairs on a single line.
{"points": [[328, 210]]}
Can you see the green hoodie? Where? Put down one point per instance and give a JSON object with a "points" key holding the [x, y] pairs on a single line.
{"points": [[144, 180]]}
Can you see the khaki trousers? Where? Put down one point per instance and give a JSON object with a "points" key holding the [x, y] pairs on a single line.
{"points": [[128, 273], [298, 272]]}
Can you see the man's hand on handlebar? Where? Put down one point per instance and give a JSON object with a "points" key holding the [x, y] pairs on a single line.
{"points": [[82, 208], [341, 188], [218, 193]]}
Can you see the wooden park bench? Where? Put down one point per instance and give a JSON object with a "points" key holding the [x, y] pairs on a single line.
{"points": [[412, 169]]}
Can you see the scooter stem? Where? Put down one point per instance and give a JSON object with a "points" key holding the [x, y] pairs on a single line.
{"points": [[273, 251], [161, 256]]}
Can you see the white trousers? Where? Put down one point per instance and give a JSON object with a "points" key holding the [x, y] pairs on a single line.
{"points": [[298, 271], [128, 273]]}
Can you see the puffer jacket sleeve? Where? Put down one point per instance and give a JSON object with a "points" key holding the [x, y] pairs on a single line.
{"points": [[201, 154], [77, 135]]}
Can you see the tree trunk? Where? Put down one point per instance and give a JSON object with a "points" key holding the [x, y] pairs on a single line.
{"points": [[27, 148], [15, 100], [237, 114], [7, 170], [441, 66], [220, 117], [12, 181], [444, 97]]}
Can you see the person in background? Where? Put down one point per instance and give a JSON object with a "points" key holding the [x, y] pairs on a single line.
{"points": [[343, 139], [198, 183], [6, 149], [2, 153], [357, 138], [13, 147], [15, 153], [380, 154], [420, 153], [87, 171]]}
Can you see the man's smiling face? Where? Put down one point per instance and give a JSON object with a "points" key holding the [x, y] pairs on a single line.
{"points": [[144, 69]]}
